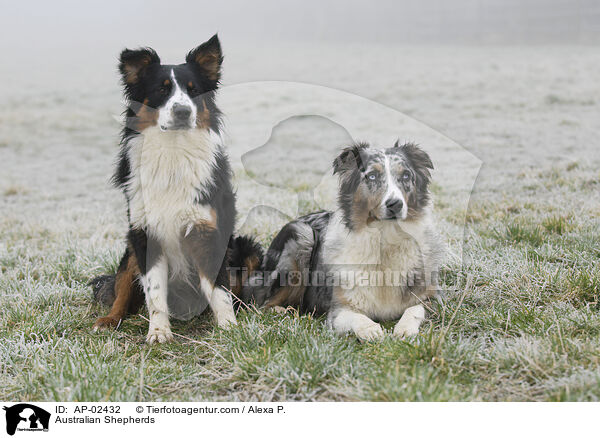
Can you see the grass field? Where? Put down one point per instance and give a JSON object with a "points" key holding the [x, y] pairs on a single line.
{"points": [[521, 316]]}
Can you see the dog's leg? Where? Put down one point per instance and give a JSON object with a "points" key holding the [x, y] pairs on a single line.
{"points": [[155, 284], [220, 303], [124, 289], [345, 320], [410, 322]]}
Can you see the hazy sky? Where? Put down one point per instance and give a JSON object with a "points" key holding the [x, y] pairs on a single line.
{"points": [[70, 23], [61, 42]]}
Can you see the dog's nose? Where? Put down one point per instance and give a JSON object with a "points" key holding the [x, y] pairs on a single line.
{"points": [[181, 112], [394, 205]]}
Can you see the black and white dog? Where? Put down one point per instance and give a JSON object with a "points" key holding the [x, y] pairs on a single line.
{"points": [[176, 178], [375, 258]]}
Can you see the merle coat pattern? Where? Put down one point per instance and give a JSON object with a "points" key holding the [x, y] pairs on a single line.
{"points": [[383, 223]]}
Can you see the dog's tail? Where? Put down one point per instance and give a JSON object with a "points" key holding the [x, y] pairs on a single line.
{"points": [[280, 283], [245, 258], [103, 288]]}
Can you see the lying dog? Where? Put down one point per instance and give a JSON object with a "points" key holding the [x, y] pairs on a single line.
{"points": [[176, 178], [383, 225]]}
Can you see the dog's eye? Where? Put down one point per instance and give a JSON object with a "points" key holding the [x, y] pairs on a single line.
{"points": [[165, 87], [372, 176], [191, 88], [406, 176]]}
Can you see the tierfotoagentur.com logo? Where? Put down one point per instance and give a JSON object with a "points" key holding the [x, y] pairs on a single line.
{"points": [[24, 417], [341, 276]]}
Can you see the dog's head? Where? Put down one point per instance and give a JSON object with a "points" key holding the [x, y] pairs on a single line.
{"points": [[378, 185], [174, 97]]}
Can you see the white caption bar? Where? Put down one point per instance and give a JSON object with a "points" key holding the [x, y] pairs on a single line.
{"points": [[294, 419]]}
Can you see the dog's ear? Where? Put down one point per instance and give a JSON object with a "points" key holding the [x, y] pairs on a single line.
{"points": [[208, 57], [349, 158], [418, 158], [133, 64]]}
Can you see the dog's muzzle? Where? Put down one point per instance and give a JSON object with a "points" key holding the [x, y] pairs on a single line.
{"points": [[181, 116]]}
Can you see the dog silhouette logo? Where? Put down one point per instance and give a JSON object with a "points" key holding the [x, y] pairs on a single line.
{"points": [[26, 417]]}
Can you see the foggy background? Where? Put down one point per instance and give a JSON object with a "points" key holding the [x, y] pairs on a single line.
{"points": [[48, 25], [63, 41]]}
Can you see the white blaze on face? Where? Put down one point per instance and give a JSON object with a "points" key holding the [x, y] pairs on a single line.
{"points": [[393, 191], [166, 118]]}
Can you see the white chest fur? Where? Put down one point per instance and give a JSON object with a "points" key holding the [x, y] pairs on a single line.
{"points": [[168, 171], [375, 262]]}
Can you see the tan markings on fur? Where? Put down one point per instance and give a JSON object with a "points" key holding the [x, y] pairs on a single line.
{"points": [[236, 280], [190, 84], [203, 117], [209, 224], [288, 295], [240, 274], [378, 167], [146, 117], [124, 284], [281, 298], [362, 206], [166, 82], [210, 62], [252, 263], [132, 70]]}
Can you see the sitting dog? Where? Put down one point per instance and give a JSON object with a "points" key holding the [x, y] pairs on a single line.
{"points": [[383, 228], [176, 178]]}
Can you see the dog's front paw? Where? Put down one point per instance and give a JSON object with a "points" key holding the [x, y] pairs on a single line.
{"points": [[160, 335], [278, 309], [106, 323], [369, 332], [226, 320], [405, 329]]}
